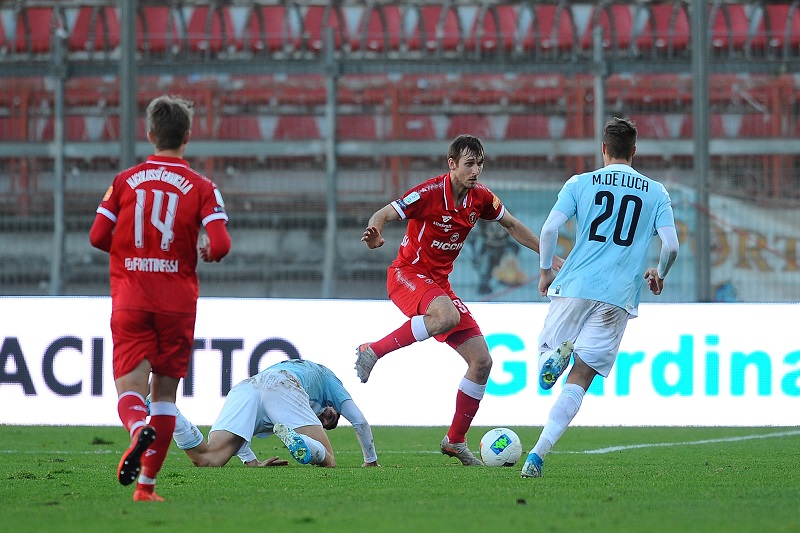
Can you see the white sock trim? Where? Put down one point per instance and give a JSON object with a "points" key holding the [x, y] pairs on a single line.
{"points": [[163, 408], [418, 328], [472, 389], [130, 393]]}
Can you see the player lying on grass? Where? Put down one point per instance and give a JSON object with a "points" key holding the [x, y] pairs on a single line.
{"points": [[297, 400]]}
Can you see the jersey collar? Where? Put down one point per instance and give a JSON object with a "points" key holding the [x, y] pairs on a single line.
{"points": [[448, 196], [167, 160]]}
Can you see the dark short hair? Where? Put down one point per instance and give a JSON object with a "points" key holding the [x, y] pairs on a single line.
{"points": [[170, 120], [619, 136], [462, 143]]}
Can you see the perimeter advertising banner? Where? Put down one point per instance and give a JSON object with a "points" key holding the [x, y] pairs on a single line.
{"points": [[679, 365]]}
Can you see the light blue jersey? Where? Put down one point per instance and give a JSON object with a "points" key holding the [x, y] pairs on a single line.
{"points": [[323, 387], [617, 211]]}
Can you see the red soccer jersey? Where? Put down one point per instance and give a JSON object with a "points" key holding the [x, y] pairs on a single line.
{"points": [[158, 208], [437, 228]]}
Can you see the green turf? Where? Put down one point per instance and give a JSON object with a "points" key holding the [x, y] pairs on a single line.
{"points": [[63, 479]]}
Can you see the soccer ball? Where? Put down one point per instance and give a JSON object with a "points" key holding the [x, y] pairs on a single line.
{"points": [[500, 447]]}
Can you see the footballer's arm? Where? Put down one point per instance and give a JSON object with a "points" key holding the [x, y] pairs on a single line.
{"points": [[353, 414]]}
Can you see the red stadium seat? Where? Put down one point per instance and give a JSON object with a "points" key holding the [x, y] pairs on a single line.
{"points": [[653, 126], [415, 128], [759, 125], [296, 127], [729, 27], [441, 28], [667, 29], [720, 126], [211, 31], [34, 26], [357, 127], [11, 129], [783, 24], [74, 129], [477, 125], [158, 30], [552, 29], [315, 19], [616, 22], [494, 29], [270, 28], [380, 29], [239, 128], [529, 126], [95, 28]]}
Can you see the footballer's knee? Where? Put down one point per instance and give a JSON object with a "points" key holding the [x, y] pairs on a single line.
{"points": [[482, 366]]}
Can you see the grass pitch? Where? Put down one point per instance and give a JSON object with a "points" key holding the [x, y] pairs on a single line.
{"points": [[597, 479]]}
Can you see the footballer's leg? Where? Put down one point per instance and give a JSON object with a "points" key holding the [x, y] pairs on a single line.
{"points": [[468, 398], [133, 414], [162, 418], [561, 415], [307, 444]]}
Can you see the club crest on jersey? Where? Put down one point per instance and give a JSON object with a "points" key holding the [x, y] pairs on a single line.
{"points": [[473, 217], [454, 237]]}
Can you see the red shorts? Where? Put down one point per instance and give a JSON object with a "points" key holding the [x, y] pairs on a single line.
{"points": [[412, 292], [166, 341]]}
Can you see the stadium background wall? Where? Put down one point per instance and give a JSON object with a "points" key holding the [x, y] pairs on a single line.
{"points": [[679, 364], [311, 115]]}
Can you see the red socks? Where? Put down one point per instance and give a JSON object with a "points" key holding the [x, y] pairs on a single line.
{"points": [[399, 338], [132, 410], [154, 457], [466, 407]]}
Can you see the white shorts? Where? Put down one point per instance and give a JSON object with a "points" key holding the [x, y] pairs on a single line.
{"points": [[594, 327], [256, 404]]}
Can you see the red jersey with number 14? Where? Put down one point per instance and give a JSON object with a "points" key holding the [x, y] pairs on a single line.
{"points": [[437, 227], [158, 208]]}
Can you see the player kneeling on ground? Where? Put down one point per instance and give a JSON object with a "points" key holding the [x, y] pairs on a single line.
{"points": [[297, 400]]}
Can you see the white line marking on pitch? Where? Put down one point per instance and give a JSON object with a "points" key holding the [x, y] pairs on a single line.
{"points": [[611, 449], [597, 451]]}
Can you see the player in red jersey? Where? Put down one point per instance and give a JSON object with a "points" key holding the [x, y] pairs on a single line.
{"points": [[149, 222], [441, 212]]}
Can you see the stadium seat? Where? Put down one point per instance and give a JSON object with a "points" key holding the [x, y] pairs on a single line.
{"points": [[379, 30], [616, 22], [494, 30], [653, 126], [13, 129], [729, 27], [95, 29], [477, 125], [34, 26], [74, 128], [529, 126], [357, 128], [239, 128], [297, 127], [552, 30], [721, 126], [211, 30], [783, 25], [666, 31], [441, 28], [159, 30], [271, 28], [415, 128], [759, 125], [318, 17]]}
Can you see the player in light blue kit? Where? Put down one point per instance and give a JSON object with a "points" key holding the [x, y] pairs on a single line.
{"points": [[617, 211], [297, 400]]}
